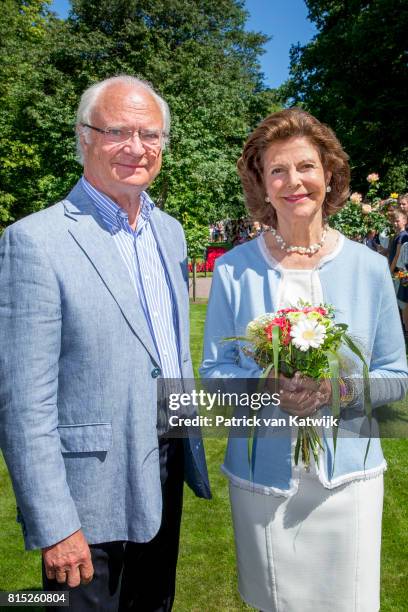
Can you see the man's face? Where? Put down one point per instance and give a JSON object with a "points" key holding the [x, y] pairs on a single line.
{"points": [[122, 170], [400, 221]]}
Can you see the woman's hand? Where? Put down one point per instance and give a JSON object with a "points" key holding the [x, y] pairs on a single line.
{"points": [[302, 396]]}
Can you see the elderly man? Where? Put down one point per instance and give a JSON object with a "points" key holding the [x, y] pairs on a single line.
{"points": [[93, 309]]}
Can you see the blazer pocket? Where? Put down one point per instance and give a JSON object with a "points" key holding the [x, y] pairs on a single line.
{"points": [[85, 438]]}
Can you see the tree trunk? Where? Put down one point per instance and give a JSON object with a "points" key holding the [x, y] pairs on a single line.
{"points": [[194, 279]]}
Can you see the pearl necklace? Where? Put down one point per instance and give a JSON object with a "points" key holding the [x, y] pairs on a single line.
{"points": [[311, 250]]}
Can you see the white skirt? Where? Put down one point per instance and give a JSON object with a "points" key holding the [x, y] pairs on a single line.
{"points": [[318, 551]]}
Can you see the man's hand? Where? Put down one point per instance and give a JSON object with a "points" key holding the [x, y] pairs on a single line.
{"points": [[302, 396], [69, 560]]}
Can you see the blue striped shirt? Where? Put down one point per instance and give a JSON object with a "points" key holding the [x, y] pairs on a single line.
{"points": [[143, 260]]}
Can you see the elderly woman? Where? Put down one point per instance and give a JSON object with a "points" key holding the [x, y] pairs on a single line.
{"points": [[305, 540]]}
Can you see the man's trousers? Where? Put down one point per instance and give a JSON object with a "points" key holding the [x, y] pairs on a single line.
{"points": [[137, 576]]}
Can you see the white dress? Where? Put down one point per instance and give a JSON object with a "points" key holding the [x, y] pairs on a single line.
{"points": [[318, 551]]}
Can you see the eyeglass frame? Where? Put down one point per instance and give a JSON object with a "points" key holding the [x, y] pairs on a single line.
{"points": [[162, 142]]}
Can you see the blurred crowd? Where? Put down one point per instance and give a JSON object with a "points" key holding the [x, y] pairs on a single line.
{"points": [[234, 231], [393, 244]]}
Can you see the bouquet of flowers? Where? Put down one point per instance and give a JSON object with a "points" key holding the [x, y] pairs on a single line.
{"points": [[302, 339], [402, 276]]}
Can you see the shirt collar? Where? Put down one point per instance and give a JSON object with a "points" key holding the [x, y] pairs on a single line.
{"points": [[115, 217]]}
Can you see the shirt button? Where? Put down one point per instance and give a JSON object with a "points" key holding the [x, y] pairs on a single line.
{"points": [[155, 314], [156, 372]]}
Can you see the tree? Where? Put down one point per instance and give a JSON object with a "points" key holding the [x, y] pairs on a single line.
{"points": [[197, 240], [353, 76], [197, 55], [22, 31], [37, 110]]}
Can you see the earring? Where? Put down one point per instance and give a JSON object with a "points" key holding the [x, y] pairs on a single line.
{"points": [[328, 189], [267, 199]]}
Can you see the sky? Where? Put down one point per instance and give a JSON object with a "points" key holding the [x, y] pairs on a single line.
{"points": [[284, 20]]}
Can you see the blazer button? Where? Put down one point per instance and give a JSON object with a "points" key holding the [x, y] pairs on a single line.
{"points": [[156, 372]]}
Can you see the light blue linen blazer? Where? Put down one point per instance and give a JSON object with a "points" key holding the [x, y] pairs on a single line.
{"points": [[78, 378], [358, 284]]}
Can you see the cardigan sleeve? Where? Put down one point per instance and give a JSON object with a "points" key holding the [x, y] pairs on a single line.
{"points": [[388, 365]]}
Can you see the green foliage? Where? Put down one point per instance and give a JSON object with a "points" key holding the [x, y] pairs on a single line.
{"points": [[353, 76], [396, 177], [353, 223], [197, 55], [37, 152], [197, 240], [356, 219], [196, 237], [200, 58]]}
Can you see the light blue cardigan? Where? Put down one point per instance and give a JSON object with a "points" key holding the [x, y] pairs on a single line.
{"points": [[358, 284]]}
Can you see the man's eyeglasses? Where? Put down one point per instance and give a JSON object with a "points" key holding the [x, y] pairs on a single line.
{"points": [[149, 138]]}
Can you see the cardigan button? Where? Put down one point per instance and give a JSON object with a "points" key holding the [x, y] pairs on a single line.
{"points": [[156, 372]]}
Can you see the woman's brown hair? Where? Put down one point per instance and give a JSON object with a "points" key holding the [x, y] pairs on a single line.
{"points": [[290, 123]]}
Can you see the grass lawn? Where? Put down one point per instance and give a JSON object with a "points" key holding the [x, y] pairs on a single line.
{"points": [[206, 572]]}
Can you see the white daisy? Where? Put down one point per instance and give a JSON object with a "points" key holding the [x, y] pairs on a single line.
{"points": [[307, 333]]}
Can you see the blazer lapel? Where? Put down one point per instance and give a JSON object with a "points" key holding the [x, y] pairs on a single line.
{"points": [[96, 241]]}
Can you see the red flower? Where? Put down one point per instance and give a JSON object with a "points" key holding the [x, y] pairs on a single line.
{"points": [[286, 310], [284, 326], [318, 309]]}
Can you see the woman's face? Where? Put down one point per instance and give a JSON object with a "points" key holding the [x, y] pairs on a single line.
{"points": [[294, 179]]}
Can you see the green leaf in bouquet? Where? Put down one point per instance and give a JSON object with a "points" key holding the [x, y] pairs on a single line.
{"points": [[342, 326], [305, 450], [366, 381], [275, 349], [297, 447], [267, 371], [334, 368], [251, 435], [313, 445]]}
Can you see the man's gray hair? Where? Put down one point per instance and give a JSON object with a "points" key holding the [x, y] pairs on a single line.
{"points": [[90, 97]]}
